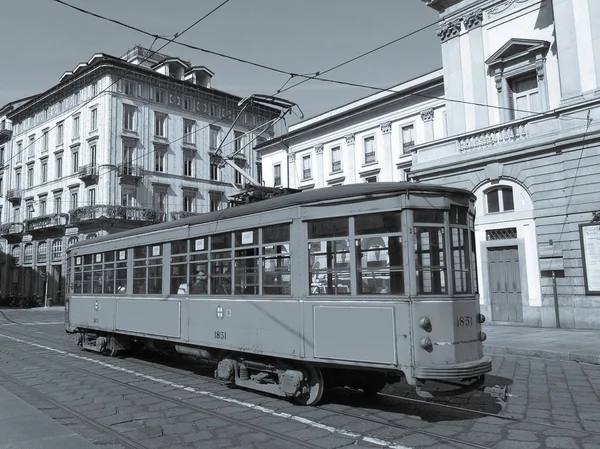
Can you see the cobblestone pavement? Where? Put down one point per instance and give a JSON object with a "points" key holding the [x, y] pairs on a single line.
{"points": [[133, 402]]}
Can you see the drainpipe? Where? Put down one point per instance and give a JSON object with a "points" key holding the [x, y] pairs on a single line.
{"points": [[556, 315]]}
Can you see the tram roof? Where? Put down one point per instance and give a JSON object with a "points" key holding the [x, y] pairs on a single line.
{"points": [[295, 199]]}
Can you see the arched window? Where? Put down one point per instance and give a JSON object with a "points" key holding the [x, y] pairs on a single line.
{"points": [[56, 249], [42, 252], [72, 240], [500, 199], [28, 253], [16, 254]]}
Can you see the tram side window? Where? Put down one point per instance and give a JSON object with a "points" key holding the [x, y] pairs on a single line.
{"points": [[461, 259], [379, 264], [109, 273], [220, 265], [179, 268], [276, 260], [78, 276], [147, 269], [87, 273], [198, 266], [121, 272], [329, 257], [247, 260]]}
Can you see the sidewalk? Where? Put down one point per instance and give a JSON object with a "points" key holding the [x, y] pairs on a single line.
{"points": [[548, 343]]}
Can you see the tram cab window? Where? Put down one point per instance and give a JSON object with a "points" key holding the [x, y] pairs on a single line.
{"points": [[379, 255], [430, 257], [121, 272], [461, 259]]}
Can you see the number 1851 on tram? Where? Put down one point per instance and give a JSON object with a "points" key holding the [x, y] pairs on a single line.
{"points": [[355, 286]]}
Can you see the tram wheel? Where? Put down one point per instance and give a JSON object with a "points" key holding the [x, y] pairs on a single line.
{"points": [[316, 386], [374, 383]]}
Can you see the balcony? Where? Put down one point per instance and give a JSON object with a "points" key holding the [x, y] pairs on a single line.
{"points": [[46, 224], [88, 173], [12, 232], [105, 216], [5, 132], [180, 215], [130, 173], [14, 195]]}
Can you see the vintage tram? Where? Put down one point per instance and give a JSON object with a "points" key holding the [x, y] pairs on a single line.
{"points": [[357, 285]]}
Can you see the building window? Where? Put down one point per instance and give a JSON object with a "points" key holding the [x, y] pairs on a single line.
{"points": [[31, 147], [94, 120], [28, 253], [45, 142], [238, 173], [92, 197], [188, 104], [525, 96], [128, 198], [500, 199], [369, 143], [237, 142], [128, 88], [43, 206], [93, 154], [371, 179], [213, 138], [336, 161], [16, 214], [60, 134], [306, 171], [72, 241], [30, 178], [189, 131], [74, 198], [128, 118], [259, 177], [42, 252], [160, 200], [58, 164], [45, 170], [188, 163], [19, 154], [214, 204], [57, 204], [408, 138], [94, 88], [189, 202], [277, 175], [30, 211], [214, 169], [57, 247], [76, 129], [160, 125], [18, 180], [75, 160], [159, 95], [159, 160]]}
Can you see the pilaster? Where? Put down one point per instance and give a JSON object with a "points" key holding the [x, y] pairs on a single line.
{"points": [[350, 160], [427, 117], [387, 165], [566, 42], [291, 170], [453, 80], [472, 23], [319, 176]]}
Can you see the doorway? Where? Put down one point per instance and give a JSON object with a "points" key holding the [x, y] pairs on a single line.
{"points": [[505, 284]]}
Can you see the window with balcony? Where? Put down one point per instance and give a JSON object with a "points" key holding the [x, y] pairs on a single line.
{"points": [[160, 200], [189, 202], [188, 163], [408, 138], [214, 205], [306, 168], [93, 153], [128, 197], [277, 175], [189, 131], [91, 197], [30, 211], [500, 199], [525, 96], [336, 159], [16, 216], [369, 146], [18, 179], [129, 118], [160, 125], [159, 160]]}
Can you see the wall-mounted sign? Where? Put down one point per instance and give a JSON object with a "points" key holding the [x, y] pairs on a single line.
{"points": [[590, 253]]}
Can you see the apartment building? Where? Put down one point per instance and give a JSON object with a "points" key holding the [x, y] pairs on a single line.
{"points": [[118, 143]]}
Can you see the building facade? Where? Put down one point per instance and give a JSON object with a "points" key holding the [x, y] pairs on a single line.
{"points": [[520, 95], [118, 143]]}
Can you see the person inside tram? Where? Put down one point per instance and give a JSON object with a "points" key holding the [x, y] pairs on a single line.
{"points": [[199, 286]]}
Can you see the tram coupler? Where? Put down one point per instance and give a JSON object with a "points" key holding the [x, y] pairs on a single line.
{"points": [[497, 392]]}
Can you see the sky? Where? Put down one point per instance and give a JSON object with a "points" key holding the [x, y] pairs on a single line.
{"points": [[43, 39]]}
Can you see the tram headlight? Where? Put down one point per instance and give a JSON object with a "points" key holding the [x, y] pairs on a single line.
{"points": [[481, 318], [425, 323], [482, 336], [426, 343]]}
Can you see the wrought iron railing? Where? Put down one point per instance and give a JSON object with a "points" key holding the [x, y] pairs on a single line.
{"points": [[181, 214], [87, 213], [88, 171], [46, 222]]}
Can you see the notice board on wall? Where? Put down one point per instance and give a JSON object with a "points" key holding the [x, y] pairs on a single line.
{"points": [[590, 253]]}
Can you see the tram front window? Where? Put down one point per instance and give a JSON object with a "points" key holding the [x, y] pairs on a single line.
{"points": [[380, 266]]}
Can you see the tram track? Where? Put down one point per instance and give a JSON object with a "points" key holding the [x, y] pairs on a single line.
{"points": [[181, 367]]}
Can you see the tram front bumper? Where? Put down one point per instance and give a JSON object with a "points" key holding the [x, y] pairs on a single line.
{"points": [[467, 370]]}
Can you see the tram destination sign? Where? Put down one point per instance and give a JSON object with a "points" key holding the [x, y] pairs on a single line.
{"points": [[590, 254]]}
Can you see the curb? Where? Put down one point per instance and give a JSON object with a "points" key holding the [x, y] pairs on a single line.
{"points": [[593, 359]]}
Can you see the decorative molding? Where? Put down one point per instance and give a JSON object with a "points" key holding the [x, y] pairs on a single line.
{"points": [[498, 79], [503, 7], [540, 66], [319, 148], [386, 127], [350, 139], [473, 19], [292, 157], [427, 115], [450, 29]]}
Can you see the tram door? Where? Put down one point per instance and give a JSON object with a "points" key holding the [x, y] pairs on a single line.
{"points": [[505, 284]]}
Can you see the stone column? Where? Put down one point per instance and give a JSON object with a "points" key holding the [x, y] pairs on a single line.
{"points": [[566, 42], [427, 117], [472, 24], [349, 161], [318, 175], [449, 35], [387, 166]]}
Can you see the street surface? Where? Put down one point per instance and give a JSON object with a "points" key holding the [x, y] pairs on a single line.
{"points": [[145, 401]]}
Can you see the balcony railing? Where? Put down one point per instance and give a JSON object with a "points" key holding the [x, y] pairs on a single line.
{"points": [[5, 132], [180, 215], [105, 211], [14, 195], [46, 222], [11, 231], [88, 172], [495, 137], [130, 173]]}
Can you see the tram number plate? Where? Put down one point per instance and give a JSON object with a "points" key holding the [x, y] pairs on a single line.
{"points": [[464, 321], [221, 335]]}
